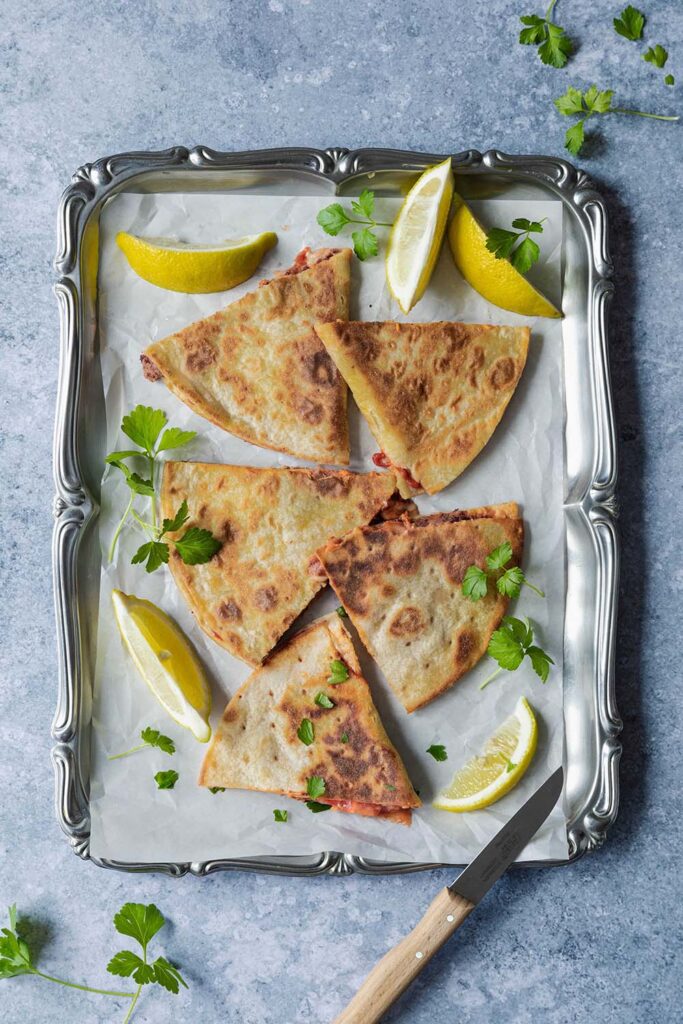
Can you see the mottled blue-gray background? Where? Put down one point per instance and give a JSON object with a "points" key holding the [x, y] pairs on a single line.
{"points": [[598, 941]]}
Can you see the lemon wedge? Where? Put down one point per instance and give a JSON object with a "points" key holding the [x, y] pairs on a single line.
{"points": [[195, 269], [491, 775], [496, 280], [417, 234], [166, 661]]}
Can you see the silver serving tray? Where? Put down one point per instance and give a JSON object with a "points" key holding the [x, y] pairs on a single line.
{"points": [[592, 748]]}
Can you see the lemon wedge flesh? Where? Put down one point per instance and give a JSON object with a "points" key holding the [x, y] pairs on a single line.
{"points": [[496, 280], [491, 775], [166, 661], [195, 269], [417, 234]]}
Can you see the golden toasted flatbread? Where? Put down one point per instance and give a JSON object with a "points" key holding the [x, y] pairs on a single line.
{"points": [[432, 393], [271, 521], [257, 746], [401, 583], [258, 369]]}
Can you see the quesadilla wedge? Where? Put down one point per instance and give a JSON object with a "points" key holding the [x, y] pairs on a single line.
{"points": [[432, 393], [261, 743], [401, 584], [258, 369], [270, 522]]}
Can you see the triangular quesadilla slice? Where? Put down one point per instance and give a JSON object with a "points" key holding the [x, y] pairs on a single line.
{"points": [[275, 736], [401, 584], [432, 393], [258, 369], [270, 522]]}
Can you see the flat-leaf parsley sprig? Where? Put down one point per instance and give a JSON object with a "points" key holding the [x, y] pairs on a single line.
{"points": [[136, 920], [141, 922], [554, 45], [509, 581], [511, 644], [151, 738], [516, 246], [144, 426], [334, 218], [593, 101]]}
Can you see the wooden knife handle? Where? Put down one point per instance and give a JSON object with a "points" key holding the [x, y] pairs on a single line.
{"points": [[402, 964]]}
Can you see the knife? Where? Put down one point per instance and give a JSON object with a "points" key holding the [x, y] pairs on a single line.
{"points": [[402, 964]]}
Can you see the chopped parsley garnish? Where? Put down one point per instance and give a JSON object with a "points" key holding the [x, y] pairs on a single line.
{"points": [[323, 701], [280, 815], [166, 780], [306, 732], [339, 673], [315, 786], [438, 752]]}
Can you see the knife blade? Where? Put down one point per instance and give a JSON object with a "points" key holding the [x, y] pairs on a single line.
{"points": [[402, 964]]}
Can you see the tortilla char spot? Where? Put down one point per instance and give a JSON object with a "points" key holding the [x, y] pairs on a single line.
{"points": [[476, 363], [407, 622], [230, 611], [320, 369], [465, 645], [502, 373], [311, 412], [200, 353], [227, 532], [407, 564], [230, 714], [388, 590], [330, 485], [460, 557], [265, 598]]}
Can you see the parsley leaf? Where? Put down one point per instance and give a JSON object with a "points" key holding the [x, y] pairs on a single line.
{"points": [[126, 964], [554, 45], [315, 786], [669, 80], [339, 673], [334, 218], [656, 55], [510, 583], [166, 780], [500, 556], [516, 246], [317, 808], [143, 426], [365, 244], [574, 138], [174, 437], [216, 789], [323, 701], [154, 738], [513, 642], [344, 737], [168, 976], [139, 921], [341, 612], [197, 546], [630, 23], [178, 521], [438, 752], [15, 958], [365, 204], [306, 732], [475, 583], [280, 815], [153, 554]]}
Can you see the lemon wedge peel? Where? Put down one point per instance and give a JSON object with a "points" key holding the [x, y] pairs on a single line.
{"points": [[494, 279], [166, 661], [195, 269], [488, 777], [417, 233]]}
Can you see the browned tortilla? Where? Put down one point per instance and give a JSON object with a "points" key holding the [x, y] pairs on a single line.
{"points": [[256, 744], [432, 393], [401, 583], [258, 369], [271, 521]]}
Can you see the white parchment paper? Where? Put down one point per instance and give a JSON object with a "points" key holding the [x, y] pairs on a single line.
{"points": [[131, 818]]}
